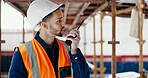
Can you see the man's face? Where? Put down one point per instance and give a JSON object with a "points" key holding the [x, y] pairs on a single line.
{"points": [[56, 25]]}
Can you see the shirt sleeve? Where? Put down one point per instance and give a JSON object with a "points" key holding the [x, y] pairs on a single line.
{"points": [[79, 65], [17, 68]]}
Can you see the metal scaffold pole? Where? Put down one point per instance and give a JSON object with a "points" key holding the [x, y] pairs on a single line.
{"points": [[141, 41], [102, 69], [23, 33], [113, 42], [95, 57], [95, 64]]}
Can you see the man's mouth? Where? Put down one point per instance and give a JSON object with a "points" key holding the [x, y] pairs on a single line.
{"points": [[62, 31], [60, 34]]}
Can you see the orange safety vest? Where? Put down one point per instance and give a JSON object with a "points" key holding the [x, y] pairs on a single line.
{"points": [[38, 64]]}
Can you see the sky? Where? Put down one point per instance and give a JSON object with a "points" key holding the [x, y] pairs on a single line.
{"points": [[12, 19]]}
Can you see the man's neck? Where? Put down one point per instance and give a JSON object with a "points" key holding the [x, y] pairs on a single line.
{"points": [[49, 40]]}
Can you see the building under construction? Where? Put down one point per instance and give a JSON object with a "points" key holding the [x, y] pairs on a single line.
{"points": [[113, 35]]}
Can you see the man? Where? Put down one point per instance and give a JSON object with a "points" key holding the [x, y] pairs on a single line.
{"points": [[45, 56]]}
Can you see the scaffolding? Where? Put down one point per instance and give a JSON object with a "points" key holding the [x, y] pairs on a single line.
{"points": [[140, 6]]}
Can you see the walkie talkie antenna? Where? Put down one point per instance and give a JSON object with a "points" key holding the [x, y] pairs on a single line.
{"points": [[80, 25]]}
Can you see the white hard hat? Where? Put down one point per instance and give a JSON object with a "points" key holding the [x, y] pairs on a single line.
{"points": [[38, 9]]}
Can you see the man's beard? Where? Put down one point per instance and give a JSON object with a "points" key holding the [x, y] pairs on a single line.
{"points": [[55, 30], [60, 34], [64, 31]]}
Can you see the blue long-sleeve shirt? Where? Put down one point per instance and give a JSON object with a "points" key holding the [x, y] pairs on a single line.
{"points": [[79, 65]]}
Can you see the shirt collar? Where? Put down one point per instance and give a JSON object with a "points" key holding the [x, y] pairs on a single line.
{"points": [[43, 44]]}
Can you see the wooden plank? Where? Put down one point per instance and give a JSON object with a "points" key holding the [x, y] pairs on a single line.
{"points": [[66, 10], [102, 7], [91, 7], [59, 0], [78, 0], [72, 17], [85, 5], [122, 11], [18, 0], [127, 1], [23, 33], [18, 9], [71, 8]]}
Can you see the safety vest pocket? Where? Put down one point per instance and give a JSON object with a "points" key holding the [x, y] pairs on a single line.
{"points": [[65, 71]]}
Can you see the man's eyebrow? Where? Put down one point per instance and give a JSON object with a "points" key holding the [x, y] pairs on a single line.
{"points": [[60, 17]]}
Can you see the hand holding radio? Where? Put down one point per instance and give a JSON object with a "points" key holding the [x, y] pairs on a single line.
{"points": [[73, 39], [68, 42]]}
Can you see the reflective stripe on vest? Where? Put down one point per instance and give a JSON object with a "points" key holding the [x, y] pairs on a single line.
{"points": [[32, 57], [38, 64]]}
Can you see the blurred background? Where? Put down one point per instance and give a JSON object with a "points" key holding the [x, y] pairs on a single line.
{"points": [[16, 30]]}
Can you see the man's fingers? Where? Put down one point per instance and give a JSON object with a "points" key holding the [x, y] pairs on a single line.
{"points": [[74, 31], [72, 34]]}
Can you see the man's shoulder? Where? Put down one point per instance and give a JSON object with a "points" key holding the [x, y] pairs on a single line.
{"points": [[21, 48]]}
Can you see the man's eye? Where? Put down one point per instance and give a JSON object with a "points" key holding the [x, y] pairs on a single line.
{"points": [[59, 20]]}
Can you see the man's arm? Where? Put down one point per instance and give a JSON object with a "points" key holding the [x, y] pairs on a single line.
{"points": [[17, 68], [80, 66]]}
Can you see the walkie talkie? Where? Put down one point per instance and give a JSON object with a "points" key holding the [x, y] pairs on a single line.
{"points": [[68, 42]]}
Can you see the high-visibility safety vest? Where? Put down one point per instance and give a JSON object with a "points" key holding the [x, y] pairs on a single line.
{"points": [[38, 64]]}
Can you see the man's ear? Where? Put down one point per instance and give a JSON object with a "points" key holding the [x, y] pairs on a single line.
{"points": [[44, 24]]}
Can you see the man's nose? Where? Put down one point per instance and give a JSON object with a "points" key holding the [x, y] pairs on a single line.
{"points": [[63, 24]]}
